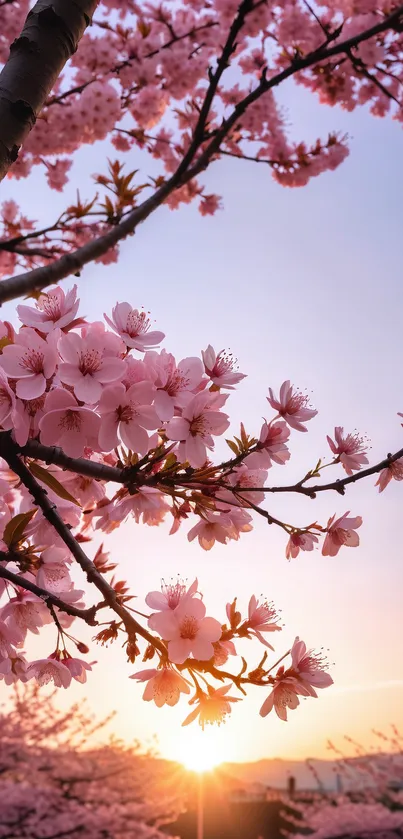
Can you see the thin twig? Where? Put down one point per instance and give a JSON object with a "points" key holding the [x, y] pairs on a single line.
{"points": [[100, 471], [88, 615], [338, 485]]}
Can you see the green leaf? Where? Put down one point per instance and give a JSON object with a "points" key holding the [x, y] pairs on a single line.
{"points": [[14, 530], [47, 478]]}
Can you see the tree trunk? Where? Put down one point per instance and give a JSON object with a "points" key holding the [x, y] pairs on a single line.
{"points": [[49, 38]]}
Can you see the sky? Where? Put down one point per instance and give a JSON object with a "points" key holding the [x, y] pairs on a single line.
{"points": [[304, 284]]}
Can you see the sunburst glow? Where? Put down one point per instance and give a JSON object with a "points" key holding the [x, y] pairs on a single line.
{"points": [[200, 751]]}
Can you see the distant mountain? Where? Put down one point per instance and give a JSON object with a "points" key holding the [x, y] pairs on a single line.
{"points": [[275, 773]]}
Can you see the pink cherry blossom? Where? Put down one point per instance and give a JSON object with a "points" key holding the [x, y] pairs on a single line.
{"points": [[171, 595], [13, 670], [89, 362], [31, 361], [292, 405], [244, 476], [213, 527], [179, 513], [221, 368], [133, 326], [393, 471], [54, 309], [187, 630], [341, 532], [350, 450], [212, 707], [53, 574], [77, 668], [240, 522], [284, 695], [262, 618], [175, 383], [147, 503], [56, 174], [163, 686], [219, 527], [195, 429], [310, 667], [86, 490], [271, 446], [27, 414], [222, 651], [9, 637], [67, 425], [125, 414], [46, 670], [300, 542], [26, 612], [136, 371]]}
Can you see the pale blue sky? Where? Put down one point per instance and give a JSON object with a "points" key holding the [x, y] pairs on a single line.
{"points": [[303, 284]]}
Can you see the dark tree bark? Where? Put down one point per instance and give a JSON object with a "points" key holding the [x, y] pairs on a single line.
{"points": [[49, 38]]}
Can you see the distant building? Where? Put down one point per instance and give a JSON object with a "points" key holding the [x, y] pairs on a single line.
{"points": [[232, 812], [238, 820], [291, 785]]}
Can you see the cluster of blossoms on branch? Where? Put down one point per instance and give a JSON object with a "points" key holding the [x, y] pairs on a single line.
{"points": [[99, 426], [126, 82], [181, 621]]}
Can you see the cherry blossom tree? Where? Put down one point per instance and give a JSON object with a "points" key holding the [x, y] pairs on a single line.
{"points": [[127, 82], [99, 425], [372, 804], [53, 784]]}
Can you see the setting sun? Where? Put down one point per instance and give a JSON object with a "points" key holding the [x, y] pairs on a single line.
{"points": [[200, 752]]}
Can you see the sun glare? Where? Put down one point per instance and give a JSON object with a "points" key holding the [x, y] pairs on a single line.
{"points": [[200, 752]]}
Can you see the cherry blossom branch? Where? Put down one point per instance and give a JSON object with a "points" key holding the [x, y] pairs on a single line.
{"points": [[223, 62], [10, 244], [123, 475], [360, 68], [338, 485], [88, 615], [9, 451], [55, 100], [72, 263], [80, 465], [249, 504]]}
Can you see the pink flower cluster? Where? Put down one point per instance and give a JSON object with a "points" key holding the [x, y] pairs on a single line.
{"points": [[180, 619], [82, 390], [105, 394], [25, 613], [133, 89], [307, 672]]}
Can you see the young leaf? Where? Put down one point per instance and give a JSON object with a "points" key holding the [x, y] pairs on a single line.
{"points": [[14, 530], [232, 446], [47, 478]]}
